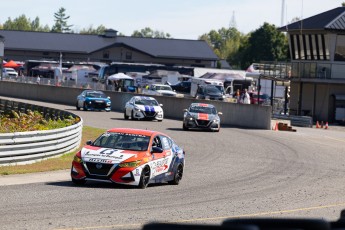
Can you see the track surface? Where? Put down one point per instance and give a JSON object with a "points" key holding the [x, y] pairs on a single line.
{"points": [[233, 173]]}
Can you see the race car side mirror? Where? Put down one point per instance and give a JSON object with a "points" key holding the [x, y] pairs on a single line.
{"points": [[89, 142], [220, 113], [156, 149], [185, 110], [160, 105]]}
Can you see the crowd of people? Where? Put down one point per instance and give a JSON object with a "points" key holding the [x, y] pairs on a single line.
{"points": [[242, 97]]}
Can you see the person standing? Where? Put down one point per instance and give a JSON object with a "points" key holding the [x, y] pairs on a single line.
{"points": [[38, 80], [245, 97]]}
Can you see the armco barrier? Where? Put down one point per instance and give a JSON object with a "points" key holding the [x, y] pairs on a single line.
{"points": [[239, 115], [28, 147]]}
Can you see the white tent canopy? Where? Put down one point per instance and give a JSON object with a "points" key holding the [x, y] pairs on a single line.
{"points": [[119, 76]]}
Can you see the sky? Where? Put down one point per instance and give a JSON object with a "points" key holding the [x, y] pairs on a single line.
{"points": [[182, 19]]}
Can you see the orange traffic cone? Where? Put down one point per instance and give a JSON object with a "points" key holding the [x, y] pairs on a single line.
{"points": [[317, 125], [326, 126], [276, 127]]}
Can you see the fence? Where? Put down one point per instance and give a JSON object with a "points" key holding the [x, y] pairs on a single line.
{"points": [[29, 147]]}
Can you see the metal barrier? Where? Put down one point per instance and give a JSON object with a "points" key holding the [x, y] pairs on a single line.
{"points": [[28, 147], [302, 121]]}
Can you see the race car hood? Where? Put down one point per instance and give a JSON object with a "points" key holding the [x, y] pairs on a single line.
{"points": [[105, 155], [148, 108], [204, 116]]}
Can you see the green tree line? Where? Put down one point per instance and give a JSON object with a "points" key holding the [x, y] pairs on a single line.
{"points": [[240, 50]]}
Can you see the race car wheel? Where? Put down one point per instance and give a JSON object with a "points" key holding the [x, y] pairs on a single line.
{"points": [[78, 182], [144, 178], [184, 127], [125, 115], [178, 175], [84, 106], [76, 105], [132, 115]]}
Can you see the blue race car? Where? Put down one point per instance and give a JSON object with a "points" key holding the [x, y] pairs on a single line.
{"points": [[93, 100]]}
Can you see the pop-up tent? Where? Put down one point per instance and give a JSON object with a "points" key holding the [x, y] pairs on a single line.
{"points": [[11, 64]]}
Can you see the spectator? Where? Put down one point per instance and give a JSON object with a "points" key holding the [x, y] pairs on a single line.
{"points": [[38, 80], [245, 97]]}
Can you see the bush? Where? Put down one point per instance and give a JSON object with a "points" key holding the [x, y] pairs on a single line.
{"points": [[13, 121]]}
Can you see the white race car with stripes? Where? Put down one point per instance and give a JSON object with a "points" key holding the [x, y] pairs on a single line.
{"points": [[142, 107]]}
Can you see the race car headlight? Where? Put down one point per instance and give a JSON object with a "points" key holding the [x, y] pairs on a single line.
{"points": [[160, 112], [89, 102], [108, 102], [130, 164], [77, 159], [215, 121], [136, 108]]}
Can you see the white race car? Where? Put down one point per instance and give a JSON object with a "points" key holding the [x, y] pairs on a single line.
{"points": [[141, 107]]}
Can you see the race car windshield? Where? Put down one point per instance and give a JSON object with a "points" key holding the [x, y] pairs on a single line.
{"points": [[146, 102], [202, 109], [124, 141], [96, 95]]}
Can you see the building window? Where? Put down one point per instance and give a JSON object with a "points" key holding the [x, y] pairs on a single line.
{"points": [[310, 47], [129, 55], [340, 48], [106, 54]]}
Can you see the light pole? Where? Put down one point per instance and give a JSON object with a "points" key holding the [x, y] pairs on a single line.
{"points": [[2, 48]]}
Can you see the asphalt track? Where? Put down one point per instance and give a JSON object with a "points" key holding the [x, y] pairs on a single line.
{"points": [[235, 173]]}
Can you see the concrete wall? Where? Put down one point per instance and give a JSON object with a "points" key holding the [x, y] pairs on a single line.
{"points": [[238, 115]]}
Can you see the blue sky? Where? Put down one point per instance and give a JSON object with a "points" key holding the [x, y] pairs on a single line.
{"points": [[183, 19]]}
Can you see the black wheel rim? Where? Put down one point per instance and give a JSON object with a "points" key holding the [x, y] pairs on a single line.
{"points": [[179, 173], [146, 176]]}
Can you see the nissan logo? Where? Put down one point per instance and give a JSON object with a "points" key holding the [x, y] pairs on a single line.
{"points": [[98, 166]]}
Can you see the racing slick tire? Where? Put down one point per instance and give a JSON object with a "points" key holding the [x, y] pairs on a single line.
{"points": [[78, 182], [184, 127], [125, 115], [144, 178], [178, 175], [76, 105], [132, 115]]}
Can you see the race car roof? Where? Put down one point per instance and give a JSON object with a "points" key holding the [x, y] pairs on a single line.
{"points": [[134, 131], [201, 105]]}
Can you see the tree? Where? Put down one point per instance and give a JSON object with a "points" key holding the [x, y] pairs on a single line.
{"points": [[24, 23], [61, 22], [343, 4], [225, 43], [147, 32], [264, 44], [99, 30]]}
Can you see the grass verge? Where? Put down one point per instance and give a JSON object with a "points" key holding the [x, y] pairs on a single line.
{"points": [[57, 163]]}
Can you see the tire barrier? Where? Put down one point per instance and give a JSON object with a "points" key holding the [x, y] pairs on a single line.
{"points": [[29, 147]]}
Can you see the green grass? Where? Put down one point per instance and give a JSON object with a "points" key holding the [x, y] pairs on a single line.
{"points": [[57, 163]]}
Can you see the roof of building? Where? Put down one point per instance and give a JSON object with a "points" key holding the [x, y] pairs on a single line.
{"points": [[86, 44], [329, 20]]}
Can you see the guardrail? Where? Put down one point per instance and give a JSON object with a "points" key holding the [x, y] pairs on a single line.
{"points": [[302, 121], [28, 147]]}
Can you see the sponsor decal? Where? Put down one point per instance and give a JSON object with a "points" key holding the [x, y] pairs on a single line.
{"points": [[97, 160], [115, 156], [203, 116], [137, 172], [159, 166]]}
